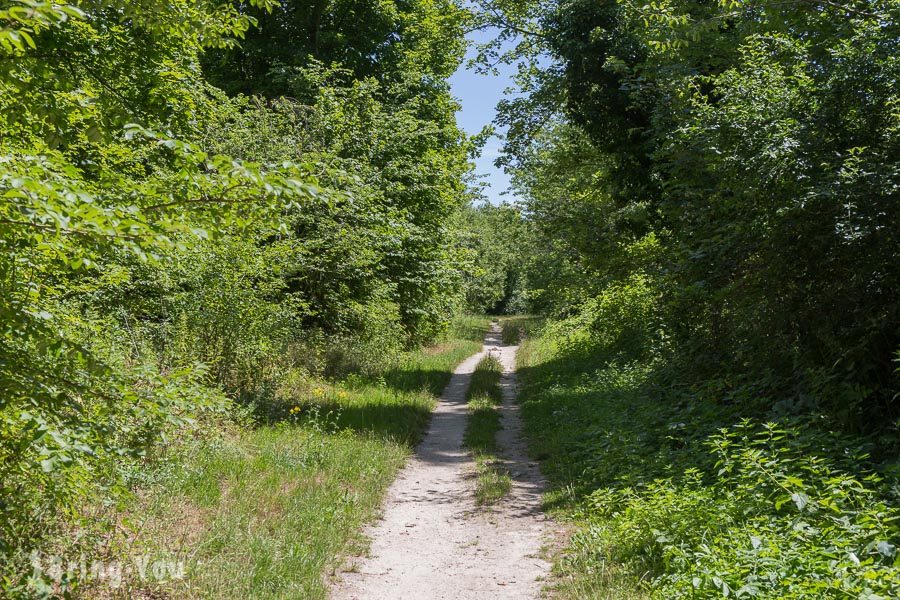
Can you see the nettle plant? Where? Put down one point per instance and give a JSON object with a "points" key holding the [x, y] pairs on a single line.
{"points": [[777, 520]]}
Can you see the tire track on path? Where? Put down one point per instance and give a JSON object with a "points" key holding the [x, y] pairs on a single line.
{"points": [[433, 542]]}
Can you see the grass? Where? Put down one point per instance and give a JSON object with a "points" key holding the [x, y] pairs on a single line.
{"points": [[270, 510], [673, 494], [430, 368], [516, 328], [564, 419], [493, 481]]}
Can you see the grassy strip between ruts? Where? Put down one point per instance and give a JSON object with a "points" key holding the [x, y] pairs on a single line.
{"points": [[269, 510], [484, 396]]}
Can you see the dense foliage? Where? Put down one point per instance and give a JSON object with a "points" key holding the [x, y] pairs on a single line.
{"points": [[490, 239], [204, 204], [714, 193], [678, 496], [739, 164], [165, 246]]}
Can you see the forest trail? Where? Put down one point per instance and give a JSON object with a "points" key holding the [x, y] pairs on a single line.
{"points": [[433, 541]]}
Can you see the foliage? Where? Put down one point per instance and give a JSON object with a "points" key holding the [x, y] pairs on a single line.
{"points": [[727, 152], [712, 189], [265, 511], [778, 522], [515, 329], [492, 239], [703, 503], [617, 322], [370, 97], [165, 248], [82, 191], [387, 40]]}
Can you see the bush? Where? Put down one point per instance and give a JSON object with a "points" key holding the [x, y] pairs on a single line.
{"points": [[621, 320], [777, 520], [676, 488]]}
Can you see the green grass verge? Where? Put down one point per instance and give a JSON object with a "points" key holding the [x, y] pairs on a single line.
{"points": [[674, 493], [270, 510], [493, 481], [560, 414]]}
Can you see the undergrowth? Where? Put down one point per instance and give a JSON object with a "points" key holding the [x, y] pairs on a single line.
{"points": [[266, 502], [677, 495], [516, 328]]}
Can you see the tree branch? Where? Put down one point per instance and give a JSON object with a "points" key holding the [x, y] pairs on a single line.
{"points": [[66, 231]]}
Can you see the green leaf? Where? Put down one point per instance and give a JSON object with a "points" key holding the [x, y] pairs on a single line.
{"points": [[800, 499]]}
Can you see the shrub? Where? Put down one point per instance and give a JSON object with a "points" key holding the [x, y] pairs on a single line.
{"points": [[776, 520]]}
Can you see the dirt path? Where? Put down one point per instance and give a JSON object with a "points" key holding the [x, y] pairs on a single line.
{"points": [[433, 542]]}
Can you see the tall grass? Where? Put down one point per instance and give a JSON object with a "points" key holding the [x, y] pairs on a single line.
{"points": [[516, 328], [271, 507]]}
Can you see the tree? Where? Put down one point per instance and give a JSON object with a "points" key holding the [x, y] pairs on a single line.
{"points": [[755, 143]]}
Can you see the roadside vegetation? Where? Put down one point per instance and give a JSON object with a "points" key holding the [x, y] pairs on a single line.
{"points": [[676, 496], [515, 329], [237, 242], [267, 509], [710, 226], [210, 212], [484, 396]]}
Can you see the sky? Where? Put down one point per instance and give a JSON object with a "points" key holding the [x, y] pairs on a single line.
{"points": [[479, 95]]}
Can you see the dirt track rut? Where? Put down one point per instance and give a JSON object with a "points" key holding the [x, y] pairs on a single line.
{"points": [[433, 542]]}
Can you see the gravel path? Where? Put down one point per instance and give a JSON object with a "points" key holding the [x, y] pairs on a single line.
{"points": [[433, 542]]}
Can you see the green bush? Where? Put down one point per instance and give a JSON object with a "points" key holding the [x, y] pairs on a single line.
{"points": [[775, 520], [681, 495], [164, 247], [618, 321]]}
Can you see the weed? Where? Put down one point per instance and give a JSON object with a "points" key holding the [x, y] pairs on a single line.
{"points": [[678, 496], [517, 328]]}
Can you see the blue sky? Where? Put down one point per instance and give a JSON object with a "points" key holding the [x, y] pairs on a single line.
{"points": [[479, 95]]}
